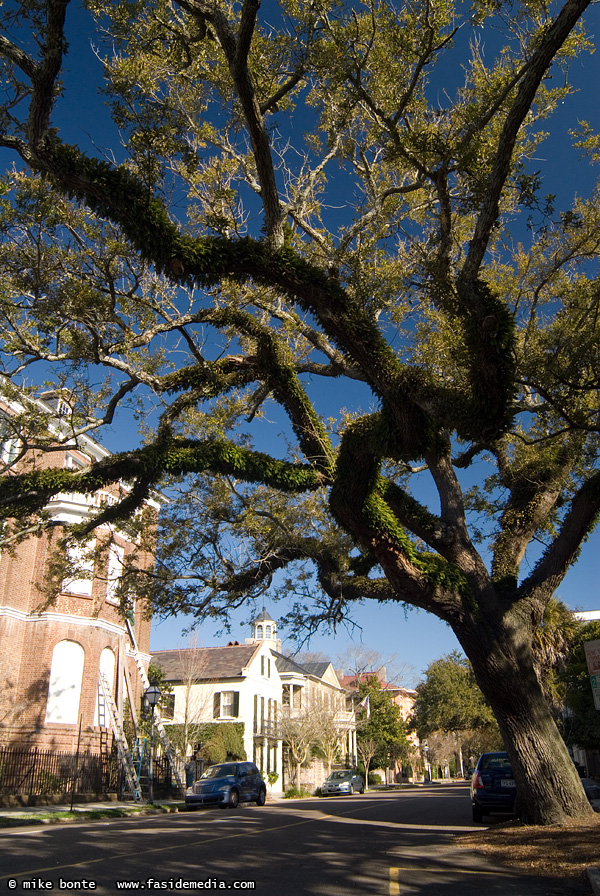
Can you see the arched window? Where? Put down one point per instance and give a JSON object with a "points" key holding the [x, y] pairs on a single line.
{"points": [[64, 690], [267, 631], [107, 669], [259, 631]]}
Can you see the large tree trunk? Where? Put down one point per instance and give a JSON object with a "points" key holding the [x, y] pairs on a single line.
{"points": [[548, 785]]}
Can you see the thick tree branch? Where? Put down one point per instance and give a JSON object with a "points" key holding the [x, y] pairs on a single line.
{"points": [[535, 488], [560, 555], [541, 59], [236, 50], [13, 53], [44, 78], [175, 457]]}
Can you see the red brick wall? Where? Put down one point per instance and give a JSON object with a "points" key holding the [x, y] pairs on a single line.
{"points": [[29, 630]]}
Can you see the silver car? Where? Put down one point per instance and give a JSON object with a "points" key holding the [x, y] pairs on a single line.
{"points": [[343, 781]]}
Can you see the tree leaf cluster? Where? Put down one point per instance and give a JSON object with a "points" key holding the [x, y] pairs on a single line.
{"points": [[333, 216]]}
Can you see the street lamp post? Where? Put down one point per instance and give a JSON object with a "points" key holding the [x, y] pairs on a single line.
{"points": [[152, 696]]}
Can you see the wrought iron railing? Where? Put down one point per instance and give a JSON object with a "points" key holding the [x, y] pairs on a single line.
{"points": [[26, 771]]}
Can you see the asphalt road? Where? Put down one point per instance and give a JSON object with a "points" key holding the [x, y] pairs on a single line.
{"points": [[384, 844]]}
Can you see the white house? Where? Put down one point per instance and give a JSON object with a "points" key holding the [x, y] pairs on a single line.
{"points": [[255, 684], [236, 683]]}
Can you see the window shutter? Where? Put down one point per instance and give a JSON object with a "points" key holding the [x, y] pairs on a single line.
{"points": [[217, 705], [236, 704]]}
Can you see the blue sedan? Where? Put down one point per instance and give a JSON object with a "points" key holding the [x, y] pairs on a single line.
{"points": [[493, 787], [227, 785]]}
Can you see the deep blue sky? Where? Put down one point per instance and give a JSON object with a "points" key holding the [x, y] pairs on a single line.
{"points": [[415, 638]]}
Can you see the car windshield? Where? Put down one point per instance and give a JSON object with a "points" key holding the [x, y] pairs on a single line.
{"points": [[495, 761], [339, 776], [220, 771]]}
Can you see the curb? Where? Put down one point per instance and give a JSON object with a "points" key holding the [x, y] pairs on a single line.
{"points": [[593, 874], [17, 819]]}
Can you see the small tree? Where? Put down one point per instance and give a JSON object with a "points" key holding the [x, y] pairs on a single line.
{"points": [[359, 661], [449, 701], [300, 730], [366, 747], [442, 747], [193, 703], [328, 738], [552, 646], [224, 743], [382, 724]]}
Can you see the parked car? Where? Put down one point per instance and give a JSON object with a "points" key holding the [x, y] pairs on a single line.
{"points": [[343, 781], [493, 787], [226, 785]]}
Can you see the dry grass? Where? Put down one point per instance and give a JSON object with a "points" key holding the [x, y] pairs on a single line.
{"points": [[562, 851]]}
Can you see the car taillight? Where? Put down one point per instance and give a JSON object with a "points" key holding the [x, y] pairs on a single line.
{"points": [[478, 782]]}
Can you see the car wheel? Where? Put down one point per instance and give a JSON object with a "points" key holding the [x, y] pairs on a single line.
{"points": [[234, 799], [477, 815], [362, 790], [262, 797]]}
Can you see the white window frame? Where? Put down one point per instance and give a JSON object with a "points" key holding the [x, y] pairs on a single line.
{"points": [[228, 702], [116, 557], [82, 557]]}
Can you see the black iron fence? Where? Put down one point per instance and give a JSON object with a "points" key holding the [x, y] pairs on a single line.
{"points": [[35, 772]]}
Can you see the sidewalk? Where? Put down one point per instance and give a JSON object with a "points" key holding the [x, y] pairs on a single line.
{"points": [[11, 816]]}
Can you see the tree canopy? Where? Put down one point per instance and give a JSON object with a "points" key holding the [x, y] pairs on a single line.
{"points": [[382, 725], [331, 213], [449, 702], [449, 698]]}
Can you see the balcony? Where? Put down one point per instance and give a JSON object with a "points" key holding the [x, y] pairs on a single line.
{"points": [[267, 728]]}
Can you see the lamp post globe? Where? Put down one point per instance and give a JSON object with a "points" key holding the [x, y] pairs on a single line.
{"points": [[152, 695]]}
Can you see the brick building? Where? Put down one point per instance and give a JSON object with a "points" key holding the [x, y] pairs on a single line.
{"points": [[51, 654]]}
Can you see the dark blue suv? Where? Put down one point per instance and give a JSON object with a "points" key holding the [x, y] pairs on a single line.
{"points": [[226, 785], [493, 787]]}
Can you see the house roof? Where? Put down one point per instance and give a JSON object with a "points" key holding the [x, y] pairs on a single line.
{"points": [[205, 663], [351, 683], [314, 670], [318, 669], [286, 664]]}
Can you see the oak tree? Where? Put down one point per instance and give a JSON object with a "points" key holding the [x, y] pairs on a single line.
{"points": [[330, 212]]}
